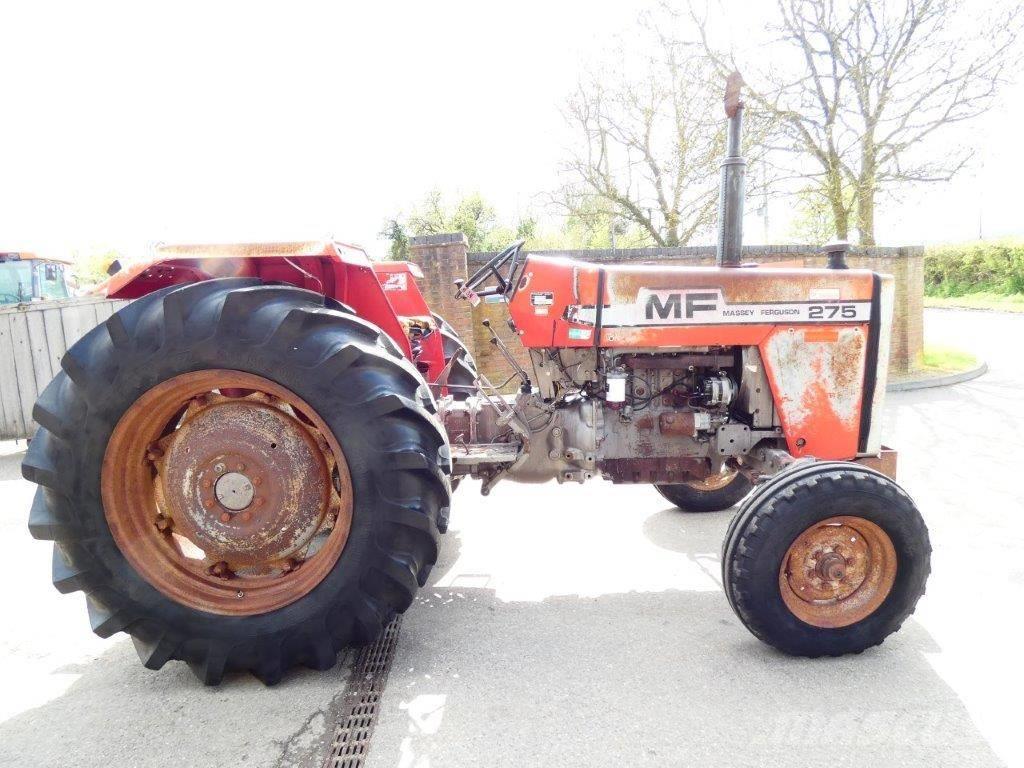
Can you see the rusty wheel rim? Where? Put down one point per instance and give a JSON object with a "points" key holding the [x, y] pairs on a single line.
{"points": [[227, 492], [715, 482], [838, 572]]}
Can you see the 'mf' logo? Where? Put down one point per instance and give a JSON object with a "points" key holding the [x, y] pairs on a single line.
{"points": [[670, 306]]}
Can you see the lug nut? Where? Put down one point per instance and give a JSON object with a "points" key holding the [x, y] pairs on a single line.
{"points": [[220, 570], [164, 524], [208, 503], [240, 467], [225, 518], [219, 468]]}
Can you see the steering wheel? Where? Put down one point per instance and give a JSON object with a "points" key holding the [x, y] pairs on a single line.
{"points": [[492, 267]]}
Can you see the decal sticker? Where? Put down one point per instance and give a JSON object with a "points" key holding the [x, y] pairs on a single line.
{"points": [[830, 335], [396, 281], [542, 298], [580, 334], [540, 310], [707, 306], [824, 294]]}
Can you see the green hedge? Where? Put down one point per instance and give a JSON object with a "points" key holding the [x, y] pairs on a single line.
{"points": [[957, 270]]}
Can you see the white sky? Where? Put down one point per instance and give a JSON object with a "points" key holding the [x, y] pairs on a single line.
{"points": [[124, 124]]}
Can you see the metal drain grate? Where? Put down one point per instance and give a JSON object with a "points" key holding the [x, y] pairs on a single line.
{"points": [[351, 741]]}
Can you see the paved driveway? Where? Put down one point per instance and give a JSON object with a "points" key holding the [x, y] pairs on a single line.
{"points": [[586, 626]]}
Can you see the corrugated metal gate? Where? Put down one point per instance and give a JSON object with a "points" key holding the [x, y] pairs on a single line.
{"points": [[33, 339]]}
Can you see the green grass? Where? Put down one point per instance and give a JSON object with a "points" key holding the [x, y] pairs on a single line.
{"points": [[939, 360], [1013, 302]]}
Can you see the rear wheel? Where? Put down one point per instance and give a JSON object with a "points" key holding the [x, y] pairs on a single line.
{"points": [[240, 476], [827, 559], [712, 494]]}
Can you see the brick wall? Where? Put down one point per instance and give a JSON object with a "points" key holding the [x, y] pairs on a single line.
{"points": [[443, 259], [441, 256]]}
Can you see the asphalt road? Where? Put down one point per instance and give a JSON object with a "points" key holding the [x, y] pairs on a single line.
{"points": [[586, 626]]}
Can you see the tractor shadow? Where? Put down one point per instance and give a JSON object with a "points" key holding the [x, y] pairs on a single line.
{"points": [[11, 456], [653, 678], [104, 709]]}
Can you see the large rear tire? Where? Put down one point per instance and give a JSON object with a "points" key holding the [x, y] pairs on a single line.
{"points": [[826, 559], [281, 364], [712, 494]]}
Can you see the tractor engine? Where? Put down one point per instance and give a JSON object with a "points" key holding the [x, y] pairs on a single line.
{"points": [[632, 416]]}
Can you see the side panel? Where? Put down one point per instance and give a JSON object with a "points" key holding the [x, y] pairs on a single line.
{"points": [[816, 376]]}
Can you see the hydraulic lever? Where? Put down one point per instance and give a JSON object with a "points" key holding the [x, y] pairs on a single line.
{"points": [[527, 386]]}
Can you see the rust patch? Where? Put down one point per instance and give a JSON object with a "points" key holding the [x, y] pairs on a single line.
{"points": [[838, 572], [714, 482], [884, 462], [678, 424], [259, 543], [645, 422], [256, 442], [677, 469]]}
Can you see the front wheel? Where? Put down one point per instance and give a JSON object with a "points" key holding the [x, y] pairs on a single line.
{"points": [[826, 559], [712, 494], [240, 476]]}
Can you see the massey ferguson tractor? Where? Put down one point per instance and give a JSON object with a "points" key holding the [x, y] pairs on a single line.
{"points": [[250, 466]]}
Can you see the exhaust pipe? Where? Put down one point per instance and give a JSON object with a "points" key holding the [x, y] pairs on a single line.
{"points": [[734, 168]]}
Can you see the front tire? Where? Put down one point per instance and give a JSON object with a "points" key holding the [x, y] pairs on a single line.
{"points": [[347, 388], [713, 494], [826, 559]]}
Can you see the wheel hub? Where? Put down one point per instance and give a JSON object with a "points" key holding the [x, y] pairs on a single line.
{"points": [[234, 491], [715, 481], [838, 572], [831, 567], [227, 492], [247, 482]]}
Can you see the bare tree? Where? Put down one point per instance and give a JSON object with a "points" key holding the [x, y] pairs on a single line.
{"points": [[871, 83], [649, 144]]}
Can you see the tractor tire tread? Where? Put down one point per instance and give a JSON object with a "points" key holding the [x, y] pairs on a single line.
{"points": [[744, 548], [406, 460]]}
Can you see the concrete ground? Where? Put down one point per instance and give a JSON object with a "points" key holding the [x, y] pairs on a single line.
{"points": [[586, 626]]}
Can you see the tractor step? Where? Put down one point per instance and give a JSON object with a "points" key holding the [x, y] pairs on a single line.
{"points": [[484, 453]]}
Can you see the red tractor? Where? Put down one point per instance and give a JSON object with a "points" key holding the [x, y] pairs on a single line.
{"points": [[249, 467]]}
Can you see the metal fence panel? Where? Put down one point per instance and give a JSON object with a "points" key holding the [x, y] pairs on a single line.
{"points": [[33, 339]]}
